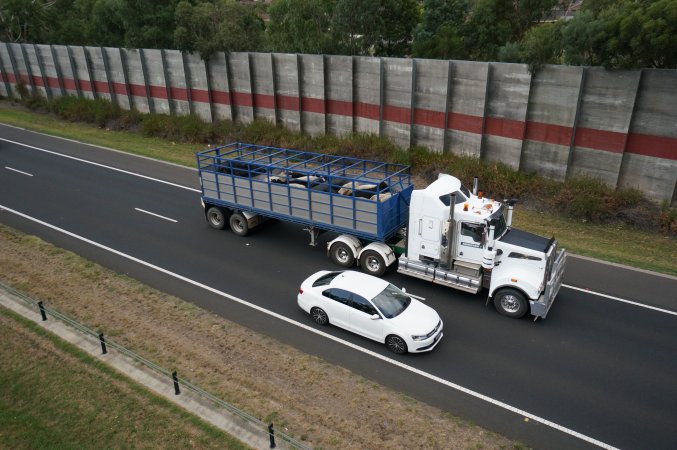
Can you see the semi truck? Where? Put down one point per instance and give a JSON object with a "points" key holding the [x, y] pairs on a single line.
{"points": [[445, 233]]}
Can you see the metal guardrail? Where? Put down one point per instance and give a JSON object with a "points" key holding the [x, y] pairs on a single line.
{"points": [[265, 429]]}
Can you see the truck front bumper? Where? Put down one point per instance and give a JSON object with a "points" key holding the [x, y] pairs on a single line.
{"points": [[540, 307]]}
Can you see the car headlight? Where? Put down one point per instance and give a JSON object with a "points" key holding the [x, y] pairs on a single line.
{"points": [[423, 337], [420, 338]]}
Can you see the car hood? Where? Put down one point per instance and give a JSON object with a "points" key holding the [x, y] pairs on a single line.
{"points": [[417, 319]]}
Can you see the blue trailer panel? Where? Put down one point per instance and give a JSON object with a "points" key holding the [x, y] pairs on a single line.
{"points": [[367, 199]]}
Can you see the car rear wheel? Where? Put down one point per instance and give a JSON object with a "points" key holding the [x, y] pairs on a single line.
{"points": [[319, 316], [396, 344], [511, 303]]}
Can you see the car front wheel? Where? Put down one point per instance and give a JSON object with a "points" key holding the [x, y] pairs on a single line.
{"points": [[396, 344], [319, 316]]}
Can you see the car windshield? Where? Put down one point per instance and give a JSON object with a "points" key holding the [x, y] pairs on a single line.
{"points": [[391, 301]]}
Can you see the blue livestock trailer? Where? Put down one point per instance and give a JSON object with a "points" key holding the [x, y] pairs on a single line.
{"points": [[242, 184]]}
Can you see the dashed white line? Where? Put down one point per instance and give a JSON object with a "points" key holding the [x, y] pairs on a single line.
{"points": [[19, 171], [101, 165], [386, 359], [156, 215]]}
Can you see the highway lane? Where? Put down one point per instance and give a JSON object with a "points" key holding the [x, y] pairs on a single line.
{"points": [[599, 367]]}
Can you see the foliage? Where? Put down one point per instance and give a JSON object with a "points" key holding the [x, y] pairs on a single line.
{"points": [[25, 21], [222, 25], [440, 34], [300, 26]]}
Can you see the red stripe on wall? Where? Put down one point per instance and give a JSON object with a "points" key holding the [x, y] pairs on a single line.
{"points": [[548, 133], [84, 85], [137, 90], [429, 118], [340, 107], [199, 95], [69, 84], [655, 146], [287, 102], [242, 98], [397, 114], [221, 97], [367, 111], [464, 122], [264, 101], [609, 141], [513, 129], [38, 81], [53, 82], [158, 92], [314, 105], [101, 87], [178, 93]]}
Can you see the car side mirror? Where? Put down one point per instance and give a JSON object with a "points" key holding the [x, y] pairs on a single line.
{"points": [[375, 317]]}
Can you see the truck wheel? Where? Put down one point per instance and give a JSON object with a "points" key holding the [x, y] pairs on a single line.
{"points": [[396, 344], [342, 255], [372, 263], [511, 303], [238, 224], [216, 218]]}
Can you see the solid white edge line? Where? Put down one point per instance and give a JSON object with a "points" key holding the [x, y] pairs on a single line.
{"points": [[19, 171], [156, 215], [622, 300], [101, 165], [323, 334]]}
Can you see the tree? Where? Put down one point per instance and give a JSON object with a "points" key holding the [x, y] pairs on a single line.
{"points": [[300, 26], [25, 20], [440, 34], [541, 45], [222, 25]]}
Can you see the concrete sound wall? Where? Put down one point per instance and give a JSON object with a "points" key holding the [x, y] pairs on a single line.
{"points": [[618, 126]]}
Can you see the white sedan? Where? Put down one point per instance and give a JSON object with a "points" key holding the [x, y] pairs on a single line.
{"points": [[371, 307]]}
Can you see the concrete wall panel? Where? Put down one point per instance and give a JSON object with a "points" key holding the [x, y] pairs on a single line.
{"points": [[198, 85], [430, 103], [367, 94], [35, 71], [156, 80], [397, 98], [312, 88], [550, 120], [218, 80], [136, 80], [287, 85], [98, 70], [466, 107], [606, 108], [82, 79], [263, 86], [339, 89], [241, 88], [49, 75], [7, 79], [116, 74], [506, 111], [176, 80], [68, 72]]}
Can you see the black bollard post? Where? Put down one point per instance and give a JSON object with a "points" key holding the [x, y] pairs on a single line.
{"points": [[177, 391], [271, 433], [42, 311], [103, 344]]}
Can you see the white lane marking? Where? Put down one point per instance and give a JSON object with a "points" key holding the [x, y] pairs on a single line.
{"points": [[414, 370], [156, 215], [101, 165], [622, 300], [19, 171]]}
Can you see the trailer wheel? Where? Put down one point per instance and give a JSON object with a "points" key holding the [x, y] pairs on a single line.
{"points": [[216, 218], [511, 303], [372, 263], [342, 255], [238, 224]]}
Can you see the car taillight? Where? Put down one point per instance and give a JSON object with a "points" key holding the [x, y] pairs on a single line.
{"points": [[300, 291]]}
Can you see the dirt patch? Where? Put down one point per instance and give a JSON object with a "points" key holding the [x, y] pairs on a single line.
{"points": [[322, 404]]}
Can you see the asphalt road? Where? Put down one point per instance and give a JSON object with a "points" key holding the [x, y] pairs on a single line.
{"points": [[597, 372]]}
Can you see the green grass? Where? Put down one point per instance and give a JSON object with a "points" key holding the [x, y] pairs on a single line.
{"points": [[577, 227], [56, 396]]}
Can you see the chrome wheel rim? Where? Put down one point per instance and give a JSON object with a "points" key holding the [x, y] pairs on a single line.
{"points": [[510, 303], [214, 218], [238, 225], [396, 344], [373, 264], [342, 255], [319, 316]]}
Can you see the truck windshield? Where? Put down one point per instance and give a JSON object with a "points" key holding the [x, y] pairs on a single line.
{"points": [[500, 224], [391, 301]]}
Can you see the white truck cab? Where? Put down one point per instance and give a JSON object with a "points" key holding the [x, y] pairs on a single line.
{"points": [[461, 239]]}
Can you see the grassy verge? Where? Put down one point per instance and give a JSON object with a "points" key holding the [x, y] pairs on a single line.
{"points": [[583, 226], [56, 396]]}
